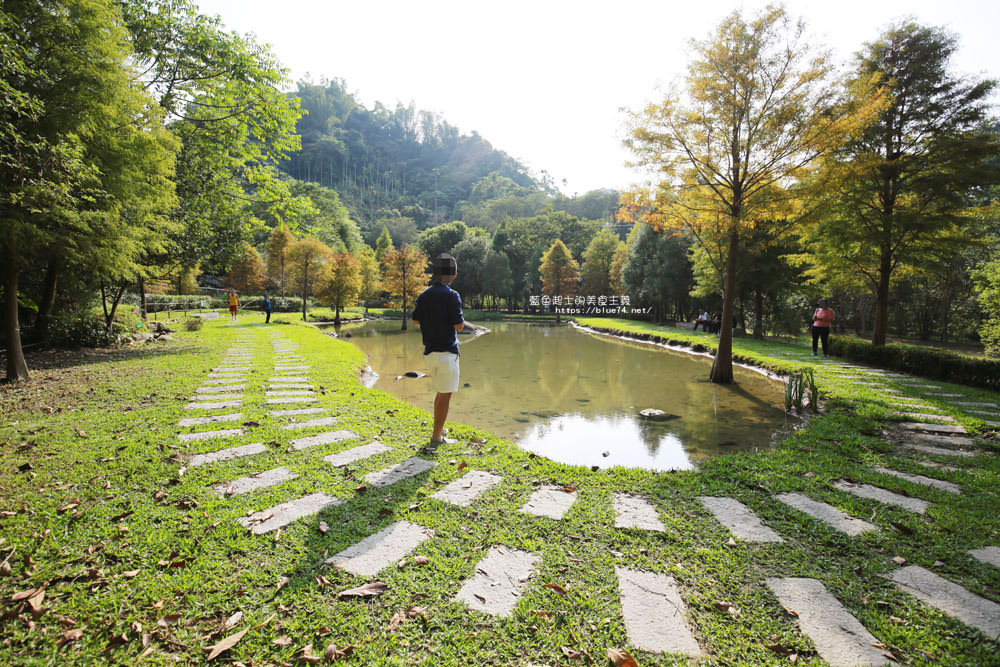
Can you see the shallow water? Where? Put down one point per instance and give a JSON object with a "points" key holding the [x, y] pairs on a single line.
{"points": [[574, 397]]}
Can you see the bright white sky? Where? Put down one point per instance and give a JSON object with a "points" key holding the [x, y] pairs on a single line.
{"points": [[544, 80]]}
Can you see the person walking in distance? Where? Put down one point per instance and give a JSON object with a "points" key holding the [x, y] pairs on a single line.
{"points": [[438, 312], [234, 304], [822, 321], [268, 307]]}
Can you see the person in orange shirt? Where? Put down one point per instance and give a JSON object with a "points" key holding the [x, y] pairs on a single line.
{"points": [[822, 321], [234, 303]]}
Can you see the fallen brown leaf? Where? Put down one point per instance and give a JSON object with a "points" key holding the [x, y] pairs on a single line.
{"points": [[225, 644], [421, 560], [283, 582], [620, 658], [557, 588], [463, 464], [283, 640], [71, 636], [333, 653], [570, 653], [366, 591], [323, 528]]}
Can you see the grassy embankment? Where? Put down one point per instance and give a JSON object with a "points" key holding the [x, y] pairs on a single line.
{"points": [[133, 552]]}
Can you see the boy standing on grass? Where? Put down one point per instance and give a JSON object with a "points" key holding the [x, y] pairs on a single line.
{"points": [[234, 304], [438, 312]]}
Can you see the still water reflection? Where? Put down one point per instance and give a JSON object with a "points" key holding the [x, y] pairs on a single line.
{"points": [[574, 397]]}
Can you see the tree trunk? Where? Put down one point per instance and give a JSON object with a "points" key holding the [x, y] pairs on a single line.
{"points": [[722, 368], [305, 290], [17, 367], [142, 298], [882, 302], [48, 300], [336, 317], [758, 313], [404, 308], [109, 317]]}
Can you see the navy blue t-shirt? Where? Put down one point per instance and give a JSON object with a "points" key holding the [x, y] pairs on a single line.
{"points": [[439, 309]]}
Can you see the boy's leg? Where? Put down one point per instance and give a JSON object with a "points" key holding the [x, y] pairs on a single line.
{"points": [[441, 404]]}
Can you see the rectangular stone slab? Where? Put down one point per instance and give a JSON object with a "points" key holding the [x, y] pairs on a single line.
{"points": [[297, 411], [222, 388], [938, 451], [197, 421], [230, 376], [831, 516], [217, 397], [224, 381], [499, 581], [920, 479], [290, 385], [395, 473], [464, 490], [949, 597], [322, 439], [230, 369], [739, 519], [290, 392], [356, 453], [922, 416], [289, 378], [377, 552], [550, 501], [258, 480], [989, 555], [839, 637], [946, 395], [884, 496], [635, 512], [655, 613], [948, 440], [209, 435], [291, 368], [227, 454], [280, 516], [934, 428], [215, 405], [310, 423], [974, 404], [290, 399]]}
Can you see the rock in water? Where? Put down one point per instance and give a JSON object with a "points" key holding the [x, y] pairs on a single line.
{"points": [[656, 415], [413, 374]]}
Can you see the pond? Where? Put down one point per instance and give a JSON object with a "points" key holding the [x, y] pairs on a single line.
{"points": [[574, 397]]}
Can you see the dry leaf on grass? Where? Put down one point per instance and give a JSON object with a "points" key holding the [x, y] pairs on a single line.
{"points": [[557, 588], [620, 658], [283, 640], [366, 591], [225, 644], [71, 636], [332, 652]]}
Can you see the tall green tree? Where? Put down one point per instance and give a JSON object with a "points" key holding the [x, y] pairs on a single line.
{"points": [[277, 255], [597, 261], [306, 262], [907, 178], [371, 275], [760, 106], [340, 283], [559, 272]]}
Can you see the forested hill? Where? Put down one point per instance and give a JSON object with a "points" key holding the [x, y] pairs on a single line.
{"points": [[410, 164]]}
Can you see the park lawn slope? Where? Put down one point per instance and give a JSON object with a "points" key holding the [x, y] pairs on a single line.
{"points": [[138, 555]]}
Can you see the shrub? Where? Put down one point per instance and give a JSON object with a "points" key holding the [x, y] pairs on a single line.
{"points": [[83, 328], [928, 362], [193, 323]]}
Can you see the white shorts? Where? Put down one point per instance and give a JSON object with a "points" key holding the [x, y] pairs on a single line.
{"points": [[443, 370]]}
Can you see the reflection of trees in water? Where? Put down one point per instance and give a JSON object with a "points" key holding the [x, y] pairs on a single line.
{"points": [[651, 434], [559, 366]]}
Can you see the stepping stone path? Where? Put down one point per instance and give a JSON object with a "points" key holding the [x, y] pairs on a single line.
{"points": [[636, 512], [655, 613], [400, 471], [299, 392], [550, 501], [297, 411], [938, 451], [209, 435], [377, 552], [356, 453], [310, 423], [973, 404], [283, 385], [933, 439], [197, 421], [499, 581], [258, 480], [934, 428], [467, 488], [920, 479], [217, 405], [839, 638], [286, 378], [949, 597], [291, 399], [225, 388], [227, 454], [739, 519], [883, 496], [989, 555], [322, 439], [280, 516], [831, 516]]}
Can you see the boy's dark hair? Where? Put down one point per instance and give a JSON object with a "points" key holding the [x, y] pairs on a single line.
{"points": [[445, 265]]}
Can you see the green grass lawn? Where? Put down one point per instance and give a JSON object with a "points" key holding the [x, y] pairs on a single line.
{"points": [[139, 557]]}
